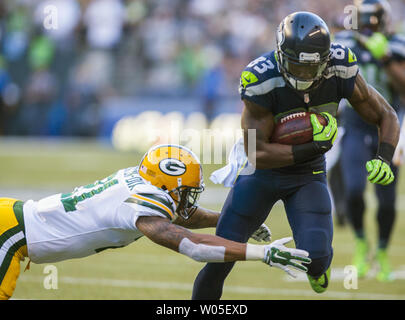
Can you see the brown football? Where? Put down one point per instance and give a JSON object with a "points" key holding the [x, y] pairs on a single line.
{"points": [[295, 128]]}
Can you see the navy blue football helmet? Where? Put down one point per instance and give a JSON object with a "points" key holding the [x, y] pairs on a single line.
{"points": [[373, 16], [303, 50]]}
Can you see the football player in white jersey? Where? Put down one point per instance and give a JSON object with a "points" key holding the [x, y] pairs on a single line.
{"points": [[156, 200]]}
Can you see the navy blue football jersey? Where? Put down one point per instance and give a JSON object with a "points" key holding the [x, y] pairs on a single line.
{"points": [[374, 74], [262, 83]]}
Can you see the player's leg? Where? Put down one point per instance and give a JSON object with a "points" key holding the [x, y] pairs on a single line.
{"points": [[355, 153], [245, 209], [10, 270], [312, 226], [336, 187], [12, 245], [386, 213], [335, 180]]}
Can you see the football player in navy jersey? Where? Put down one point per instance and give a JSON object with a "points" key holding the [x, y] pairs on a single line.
{"points": [[381, 58], [305, 73]]}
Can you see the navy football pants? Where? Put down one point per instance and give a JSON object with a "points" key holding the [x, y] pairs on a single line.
{"points": [[357, 149], [308, 207]]}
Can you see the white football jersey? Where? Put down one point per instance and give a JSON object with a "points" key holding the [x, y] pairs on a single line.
{"points": [[92, 218]]}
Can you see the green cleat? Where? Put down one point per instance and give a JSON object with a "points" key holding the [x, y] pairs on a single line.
{"points": [[319, 285], [384, 273], [360, 259]]}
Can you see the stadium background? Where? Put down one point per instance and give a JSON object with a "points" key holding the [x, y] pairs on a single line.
{"points": [[85, 99]]}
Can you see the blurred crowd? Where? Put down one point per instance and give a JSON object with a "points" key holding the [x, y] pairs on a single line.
{"points": [[61, 60]]}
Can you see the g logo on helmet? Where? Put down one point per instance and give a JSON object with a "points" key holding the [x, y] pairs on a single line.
{"points": [[172, 167]]}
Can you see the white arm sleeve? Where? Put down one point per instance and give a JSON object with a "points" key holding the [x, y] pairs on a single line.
{"points": [[206, 253], [202, 252]]}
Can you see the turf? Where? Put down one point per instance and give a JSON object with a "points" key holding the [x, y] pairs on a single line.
{"points": [[144, 270]]}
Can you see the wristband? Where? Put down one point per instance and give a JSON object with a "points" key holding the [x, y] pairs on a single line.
{"points": [[254, 252], [385, 152]]}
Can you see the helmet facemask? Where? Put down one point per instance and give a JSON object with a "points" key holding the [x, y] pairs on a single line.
{"points": [[304, 72], [186, 200]]}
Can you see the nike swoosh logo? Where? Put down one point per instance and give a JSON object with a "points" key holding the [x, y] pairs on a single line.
{"points": [[317, 172], [247, 80], [283, 259], [326, 283]]}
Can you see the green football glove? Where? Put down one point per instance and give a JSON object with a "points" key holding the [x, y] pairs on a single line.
{"points": [[323, 139], [324, 136], [277, 255], [378, 45], [379, 172]]}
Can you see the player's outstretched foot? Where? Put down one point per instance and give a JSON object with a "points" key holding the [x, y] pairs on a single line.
{"points": [[360, 259], [320, 284], [384, 273]]}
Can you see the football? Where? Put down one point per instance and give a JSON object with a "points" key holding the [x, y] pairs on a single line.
{"points": [[295, 128]]}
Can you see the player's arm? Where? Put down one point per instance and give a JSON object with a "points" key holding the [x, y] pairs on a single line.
{"points": [[211, 248], [258, 121], [396, 72], [205, 218], [266, 155], [373, 108], [201, 218]]}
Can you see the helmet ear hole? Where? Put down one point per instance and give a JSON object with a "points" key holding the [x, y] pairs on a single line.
{"points": [[164, 187]]}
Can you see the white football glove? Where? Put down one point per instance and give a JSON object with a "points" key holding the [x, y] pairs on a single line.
{"points": [[262, 234], [278, 255]]}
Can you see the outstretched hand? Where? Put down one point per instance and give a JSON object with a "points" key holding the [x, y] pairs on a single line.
{"points": [[278, 255]]}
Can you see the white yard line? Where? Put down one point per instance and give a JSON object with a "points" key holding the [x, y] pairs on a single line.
{"points": [[265, 292]]}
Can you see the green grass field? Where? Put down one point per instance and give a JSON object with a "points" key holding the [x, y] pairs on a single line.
{"points": [[143, 270]]}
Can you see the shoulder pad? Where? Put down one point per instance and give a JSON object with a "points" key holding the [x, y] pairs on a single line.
{"points": [[343, 63], [261, 76], [154, 198]]}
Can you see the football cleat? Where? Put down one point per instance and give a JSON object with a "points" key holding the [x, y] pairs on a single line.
{"points": [[384, 273], [320, 284], [360, 259]]}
